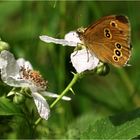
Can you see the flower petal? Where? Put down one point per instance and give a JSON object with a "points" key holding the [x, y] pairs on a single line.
{"points": [[10, 70], [73, 37], [53, 95], [8, 64], [70, 39], [15, 81], [42, 105], [83, 60], [63, 42], [22, 62]]}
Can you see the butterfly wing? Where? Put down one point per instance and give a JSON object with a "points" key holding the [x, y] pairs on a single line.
{"points": [[109, 39]]}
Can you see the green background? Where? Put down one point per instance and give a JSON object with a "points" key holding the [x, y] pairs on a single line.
{"points": [[21, 24]]}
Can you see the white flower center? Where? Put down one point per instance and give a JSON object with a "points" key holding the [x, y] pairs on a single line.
{"points": [[33, 77]]}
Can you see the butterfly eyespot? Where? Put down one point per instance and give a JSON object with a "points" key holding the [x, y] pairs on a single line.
{"points": [[106, 30], [107, 33], [115, 58], [118, 45], [113, 24], [117, 52]]}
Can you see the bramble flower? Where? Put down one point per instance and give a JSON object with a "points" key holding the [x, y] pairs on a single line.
{"points": [[81, 62], [82, 59], [19, 73]]}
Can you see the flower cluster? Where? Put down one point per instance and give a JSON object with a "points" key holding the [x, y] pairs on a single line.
{"points": [[19, 73]]}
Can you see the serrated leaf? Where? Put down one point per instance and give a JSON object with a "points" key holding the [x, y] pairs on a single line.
{"points": [[8, 108], [123, 126]]}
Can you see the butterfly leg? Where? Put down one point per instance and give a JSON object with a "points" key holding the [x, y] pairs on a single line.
{"points": [[78, 47], [87, 54]]}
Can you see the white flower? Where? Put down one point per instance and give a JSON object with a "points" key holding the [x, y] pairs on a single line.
{"points": [[19, 73], [82, 60], [70, 39]]}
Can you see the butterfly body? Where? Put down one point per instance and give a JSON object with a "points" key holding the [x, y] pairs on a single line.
{"points": [[109, 39]]}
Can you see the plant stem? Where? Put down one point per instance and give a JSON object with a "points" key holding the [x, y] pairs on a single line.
{"points": [[75, 78], [73, 81], [37, 121]]}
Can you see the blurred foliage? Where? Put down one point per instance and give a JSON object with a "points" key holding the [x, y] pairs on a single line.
{"points": [[96, 96], [121, 126]]}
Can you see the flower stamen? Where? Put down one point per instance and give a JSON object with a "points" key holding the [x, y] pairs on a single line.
{"points": [[33, 76]]}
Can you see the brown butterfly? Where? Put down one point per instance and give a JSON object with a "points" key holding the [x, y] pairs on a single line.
{"points": [[109, 39]]}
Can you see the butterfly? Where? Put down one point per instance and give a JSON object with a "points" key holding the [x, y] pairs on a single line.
{"points": [[109, 39]]}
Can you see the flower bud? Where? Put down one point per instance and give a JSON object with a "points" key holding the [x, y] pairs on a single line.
{"points": [[103, 69], [18, 98], [3, 45]]}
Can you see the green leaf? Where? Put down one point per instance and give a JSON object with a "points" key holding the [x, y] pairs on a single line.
{"points": [[76, 128], [123, 126], [8, 108]]}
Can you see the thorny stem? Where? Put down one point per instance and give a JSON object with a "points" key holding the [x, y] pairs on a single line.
{"points": [[73, 81], [69, 87]]}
